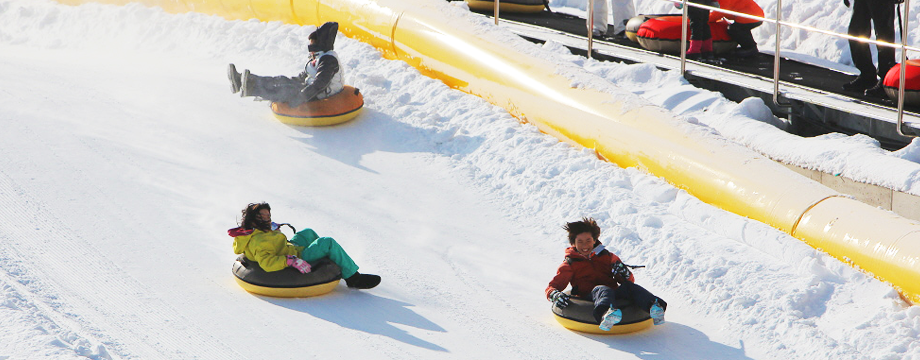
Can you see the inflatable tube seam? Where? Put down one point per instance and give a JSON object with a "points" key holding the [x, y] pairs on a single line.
{"points": [[801, 216]]}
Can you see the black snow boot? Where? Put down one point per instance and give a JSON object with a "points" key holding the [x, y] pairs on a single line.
{"points": [[861, 83], [235, 81], [362, 281]]}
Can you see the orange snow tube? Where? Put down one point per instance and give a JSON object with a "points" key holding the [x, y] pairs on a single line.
{"points": [[336, 109], [911, 84], [662, 34], [511, 6]]}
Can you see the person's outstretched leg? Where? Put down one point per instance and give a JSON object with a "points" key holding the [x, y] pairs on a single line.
{"points": [[316, 248], [604, 312], [271, 88], [644, 299]]}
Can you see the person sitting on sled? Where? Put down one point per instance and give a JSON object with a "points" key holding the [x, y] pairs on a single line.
{"points": [[321, 78], [598, 275], [259, 239]]}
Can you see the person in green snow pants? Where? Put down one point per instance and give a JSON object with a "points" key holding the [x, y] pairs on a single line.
{"points": [[259, 239]]}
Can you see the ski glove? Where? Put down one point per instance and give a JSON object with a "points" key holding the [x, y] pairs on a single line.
{"points": [[297, 263], [620, 270], [559, 298]]}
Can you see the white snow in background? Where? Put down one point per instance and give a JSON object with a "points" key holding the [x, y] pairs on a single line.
{"points": [[125, 159]]}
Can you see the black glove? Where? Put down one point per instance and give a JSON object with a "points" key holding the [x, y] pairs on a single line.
{"points": [[302, 76], [559, 298], [846, 3], [621, 272]]}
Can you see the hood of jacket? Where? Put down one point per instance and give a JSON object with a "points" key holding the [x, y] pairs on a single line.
{"points": [[241, 238], [324, 37]]}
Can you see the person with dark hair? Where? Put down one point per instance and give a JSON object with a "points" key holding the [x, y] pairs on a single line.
{"points": [[598, 275], [321, 78], [866, 15], [259, 239]]}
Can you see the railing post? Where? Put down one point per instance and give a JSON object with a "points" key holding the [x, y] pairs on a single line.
{"points": [[684, 24], [496, 11], [902, 82], [776, 55], [591, 26]]}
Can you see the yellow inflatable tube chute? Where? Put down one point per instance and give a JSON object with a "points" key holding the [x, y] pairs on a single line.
{"points": [[438, 39]]}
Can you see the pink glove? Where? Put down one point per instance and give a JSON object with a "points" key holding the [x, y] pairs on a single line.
{"points": [[297, 263]]}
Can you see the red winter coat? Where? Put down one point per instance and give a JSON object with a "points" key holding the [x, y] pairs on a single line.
{"points": [[584, 273], [743, 6]]}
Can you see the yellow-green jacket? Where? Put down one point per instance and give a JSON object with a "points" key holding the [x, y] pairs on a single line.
{"points": [[269, 248]]}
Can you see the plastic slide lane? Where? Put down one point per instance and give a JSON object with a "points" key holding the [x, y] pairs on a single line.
{"points": [[439, 40]]}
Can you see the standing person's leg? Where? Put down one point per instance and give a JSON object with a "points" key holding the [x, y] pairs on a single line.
{"points": [[861, 26], [621, 11], [883, 22], [316, 248], [699, 31], [600, 17]]}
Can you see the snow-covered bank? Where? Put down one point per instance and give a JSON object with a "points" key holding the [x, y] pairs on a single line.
{"points": [[126, 159], [751, 123]]}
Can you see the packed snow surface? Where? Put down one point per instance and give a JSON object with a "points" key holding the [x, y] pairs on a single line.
{"points": [[126, 158]]}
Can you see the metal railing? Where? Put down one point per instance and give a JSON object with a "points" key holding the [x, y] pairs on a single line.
{"points": [[779, 23], [777, 54]]}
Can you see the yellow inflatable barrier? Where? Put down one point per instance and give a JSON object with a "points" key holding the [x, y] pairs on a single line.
{"points": [[441, 41], [336, 109]]}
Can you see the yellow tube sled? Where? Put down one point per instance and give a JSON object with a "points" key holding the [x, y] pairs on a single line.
{"points": [[579, 316], [288, 282]]}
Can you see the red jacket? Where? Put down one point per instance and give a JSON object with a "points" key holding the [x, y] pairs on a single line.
{"points": [[743, 6], [584, 273]]}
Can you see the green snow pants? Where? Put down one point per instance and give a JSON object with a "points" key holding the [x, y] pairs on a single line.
{"points": [[316, 248]]}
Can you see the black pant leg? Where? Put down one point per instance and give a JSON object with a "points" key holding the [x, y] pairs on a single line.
{"points": [[639, 295], [742, 34], [699, 24], [603, 296], [861, 26], [883, 22]]}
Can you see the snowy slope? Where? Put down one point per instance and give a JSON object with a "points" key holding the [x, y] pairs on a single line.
{"points": [[125, 159]]}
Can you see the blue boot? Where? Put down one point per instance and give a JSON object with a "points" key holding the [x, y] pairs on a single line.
{"points": [[611, 318], [657, 313]]}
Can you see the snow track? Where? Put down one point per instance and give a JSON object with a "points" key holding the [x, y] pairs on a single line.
{"points": [[125, 159]]}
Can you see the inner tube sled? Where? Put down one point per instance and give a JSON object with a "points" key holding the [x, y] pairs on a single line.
{"points": [[911, 84], [288, 282], [633, 25], [579, 316], [336, 109], [662, 34], [511, 6]]}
